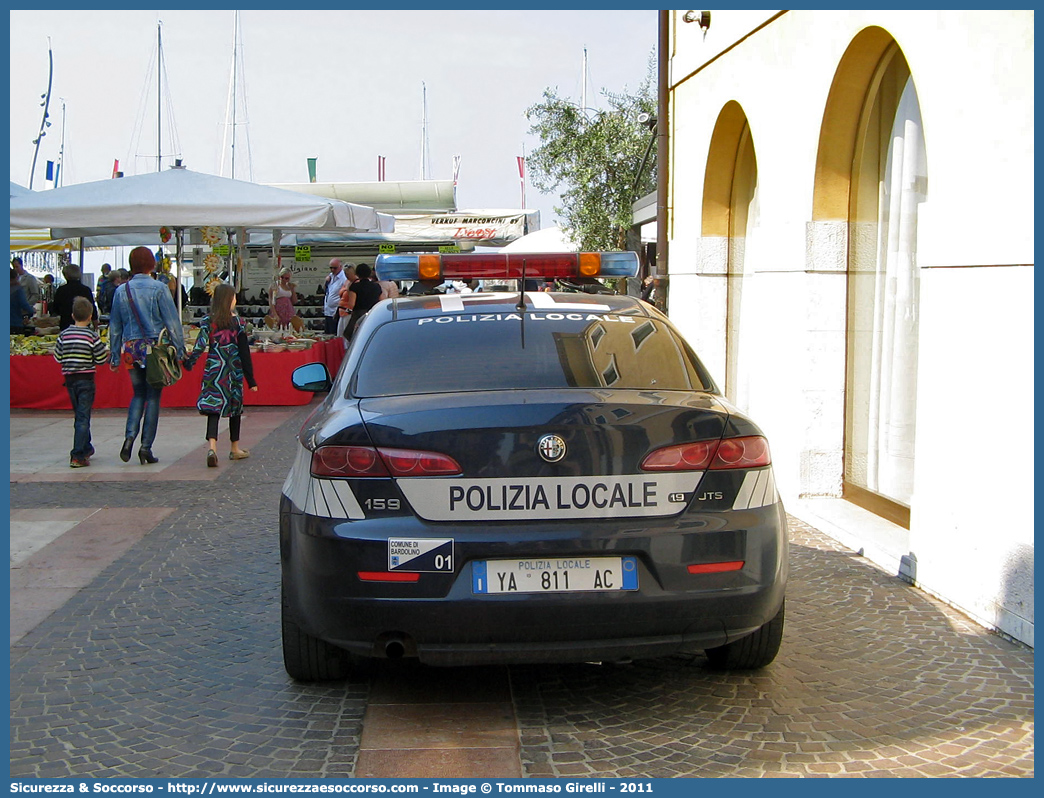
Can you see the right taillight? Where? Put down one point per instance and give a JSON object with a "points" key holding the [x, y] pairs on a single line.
{"points": [[367, 461], [747, 452]]}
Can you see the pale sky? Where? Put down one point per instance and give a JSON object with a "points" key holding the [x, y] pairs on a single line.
{"points": [[340, 86]]}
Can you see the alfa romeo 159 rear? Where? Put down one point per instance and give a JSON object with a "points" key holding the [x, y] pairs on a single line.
{"points": [[526, 477]]}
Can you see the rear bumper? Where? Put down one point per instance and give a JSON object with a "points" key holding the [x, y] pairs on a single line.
{"points": [[439, 620]]}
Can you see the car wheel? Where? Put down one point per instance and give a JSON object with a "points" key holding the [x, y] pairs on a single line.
{"points": [[756, 650], [307, 658]]}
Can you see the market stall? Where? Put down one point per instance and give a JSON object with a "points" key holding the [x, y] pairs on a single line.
{"points": [[36, 380], [178, 201]]}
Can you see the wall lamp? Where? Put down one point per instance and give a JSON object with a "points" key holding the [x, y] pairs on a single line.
{"points": [[702, 17]]}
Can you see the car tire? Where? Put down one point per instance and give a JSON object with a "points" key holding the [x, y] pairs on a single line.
{"points": [[307, 658], [756, 650]]}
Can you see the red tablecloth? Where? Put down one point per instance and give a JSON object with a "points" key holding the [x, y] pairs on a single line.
{"points": [[36, 381]]}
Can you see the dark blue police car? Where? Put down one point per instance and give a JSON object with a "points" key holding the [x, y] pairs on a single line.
{"points": [[525, 477]]}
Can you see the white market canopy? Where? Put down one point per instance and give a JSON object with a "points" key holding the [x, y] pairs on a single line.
{"points": [[398, 197], [547, 239], [38, 240], [180, 198]]}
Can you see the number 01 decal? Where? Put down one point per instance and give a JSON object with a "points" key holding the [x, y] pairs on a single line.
{"points": [[423, 554]]}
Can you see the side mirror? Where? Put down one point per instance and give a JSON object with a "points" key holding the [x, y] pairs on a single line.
{"points": [[312, 377]]}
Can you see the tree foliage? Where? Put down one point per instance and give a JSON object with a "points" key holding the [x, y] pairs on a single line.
{"points": [[593, 158]]}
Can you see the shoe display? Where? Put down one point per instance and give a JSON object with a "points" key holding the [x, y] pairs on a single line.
{"points": [[78, 462], [242, 454], [125, 452], [146, 456], [211, 458]]}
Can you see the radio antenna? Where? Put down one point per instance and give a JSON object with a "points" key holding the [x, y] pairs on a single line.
{"points": [[521, 306]]}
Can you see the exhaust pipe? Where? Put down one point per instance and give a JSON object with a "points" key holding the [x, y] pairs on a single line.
{"points": [[394, 649], [394, 645]]}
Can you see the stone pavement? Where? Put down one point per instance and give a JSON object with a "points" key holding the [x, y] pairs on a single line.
{"points": [[145, 643]]}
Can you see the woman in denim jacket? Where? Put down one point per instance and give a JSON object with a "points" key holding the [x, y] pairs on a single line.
{"points": [[132, 327]]}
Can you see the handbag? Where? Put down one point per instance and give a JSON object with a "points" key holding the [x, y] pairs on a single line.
{"points": [[162, 368]]}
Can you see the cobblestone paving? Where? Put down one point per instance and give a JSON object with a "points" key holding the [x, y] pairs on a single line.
{"points": [[874, 679], [168, 665]]}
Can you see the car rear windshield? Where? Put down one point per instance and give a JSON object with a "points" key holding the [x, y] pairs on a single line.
{"points": [[493, 352]]}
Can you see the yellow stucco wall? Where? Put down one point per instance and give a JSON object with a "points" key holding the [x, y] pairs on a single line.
{"points": [[798, 79]]}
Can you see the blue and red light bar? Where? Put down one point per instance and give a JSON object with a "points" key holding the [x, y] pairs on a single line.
{"points": [[506, 266]]}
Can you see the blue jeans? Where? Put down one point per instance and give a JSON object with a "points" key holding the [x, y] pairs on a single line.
{"points": [[81, 395], [146, 401]]}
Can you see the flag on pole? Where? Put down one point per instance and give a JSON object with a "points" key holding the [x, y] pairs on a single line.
{"points": [[456, 168], [522, 177], [50, 170], [380, 168], [116, 167], [311, 169]]}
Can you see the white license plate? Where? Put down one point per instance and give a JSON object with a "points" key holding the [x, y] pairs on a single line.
{"points": [[554, 575]]}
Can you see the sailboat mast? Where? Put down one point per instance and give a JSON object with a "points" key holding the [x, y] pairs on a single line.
{"points": [[159, 96], [230, 138], [61, 150], [235, 65], [424, 166]]}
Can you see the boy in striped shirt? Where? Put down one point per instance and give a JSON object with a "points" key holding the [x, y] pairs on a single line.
{"points": [[78, 350]]}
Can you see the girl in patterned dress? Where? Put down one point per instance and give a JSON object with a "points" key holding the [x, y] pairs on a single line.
{"points": [[223, 338]]}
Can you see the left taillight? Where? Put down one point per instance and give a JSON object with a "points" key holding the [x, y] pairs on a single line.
{"points": [[347, 461], [751, 451], [368, 461]]}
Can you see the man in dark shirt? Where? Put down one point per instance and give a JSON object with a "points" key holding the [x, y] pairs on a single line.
{"points": [[65, 294], [363, 294]]}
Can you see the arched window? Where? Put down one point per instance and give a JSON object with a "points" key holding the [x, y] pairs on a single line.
{"points": [[889, 181], [743, 223], [730, 214]]}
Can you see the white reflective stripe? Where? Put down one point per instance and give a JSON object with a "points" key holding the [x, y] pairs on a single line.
{"points": [[758, 490], [757, 498], [343, 491], [316, 503], [544, 301], [742, 501], [333, 503], [452, 303], [533, 498], [771, 495], [333, 498]]}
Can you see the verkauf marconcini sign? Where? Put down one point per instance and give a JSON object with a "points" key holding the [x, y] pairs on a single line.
{"points": [[491, 228]]}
